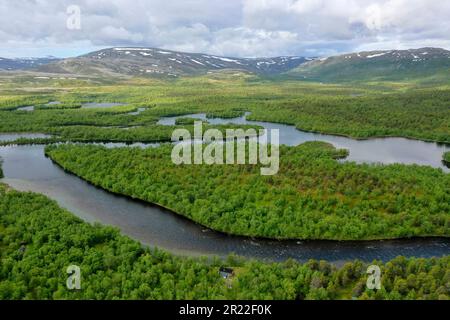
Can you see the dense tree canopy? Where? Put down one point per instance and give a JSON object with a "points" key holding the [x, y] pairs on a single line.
{"points": [[313, 196], [422, 115], [39, 241]]}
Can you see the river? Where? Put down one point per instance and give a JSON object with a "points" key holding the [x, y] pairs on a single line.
{"points": [[27, 169], [379, 150]]}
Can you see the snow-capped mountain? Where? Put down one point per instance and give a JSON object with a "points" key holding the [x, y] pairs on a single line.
{"points": [[377, 65], [153, 61]]}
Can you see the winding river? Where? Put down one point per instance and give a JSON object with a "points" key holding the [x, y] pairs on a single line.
{"points": [[27, 169]]}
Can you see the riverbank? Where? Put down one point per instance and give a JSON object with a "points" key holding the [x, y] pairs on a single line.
{"points": [[446, 159]]}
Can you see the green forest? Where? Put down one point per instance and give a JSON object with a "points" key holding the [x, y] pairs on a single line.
{"points": [[39, 240], [359, 112], [313, 196]]}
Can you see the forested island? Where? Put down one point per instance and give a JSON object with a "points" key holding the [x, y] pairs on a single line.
{"points": [[312, 197]]}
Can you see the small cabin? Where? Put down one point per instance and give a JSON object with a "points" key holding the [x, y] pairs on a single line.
{"points": [[226, 272]]}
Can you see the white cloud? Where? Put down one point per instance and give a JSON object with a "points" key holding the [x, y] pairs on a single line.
{"points": [[110, 33], [232, 28]]}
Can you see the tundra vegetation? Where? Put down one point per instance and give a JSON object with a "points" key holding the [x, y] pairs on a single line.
{"points": [[364, 111]]}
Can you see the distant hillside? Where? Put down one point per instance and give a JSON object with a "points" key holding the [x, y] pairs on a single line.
{"points": [[152, 61], [24, 63], [426, 64], [378, 65]]}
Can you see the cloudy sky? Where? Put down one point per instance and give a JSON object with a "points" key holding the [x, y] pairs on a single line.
{"points": [[242, 28]]}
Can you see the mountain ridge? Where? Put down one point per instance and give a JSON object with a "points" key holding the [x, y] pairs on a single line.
{"points": [[377, 65], [390, 65], [140, 61]]}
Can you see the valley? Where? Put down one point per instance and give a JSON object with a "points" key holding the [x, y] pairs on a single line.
{"points": [[363, 176], [117, 267]]}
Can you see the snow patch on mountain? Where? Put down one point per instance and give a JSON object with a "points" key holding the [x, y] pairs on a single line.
{"points": [[376, 55]]}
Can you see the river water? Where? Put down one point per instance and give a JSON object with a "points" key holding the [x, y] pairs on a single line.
{"points": [[27, 169], [379, 150]]}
